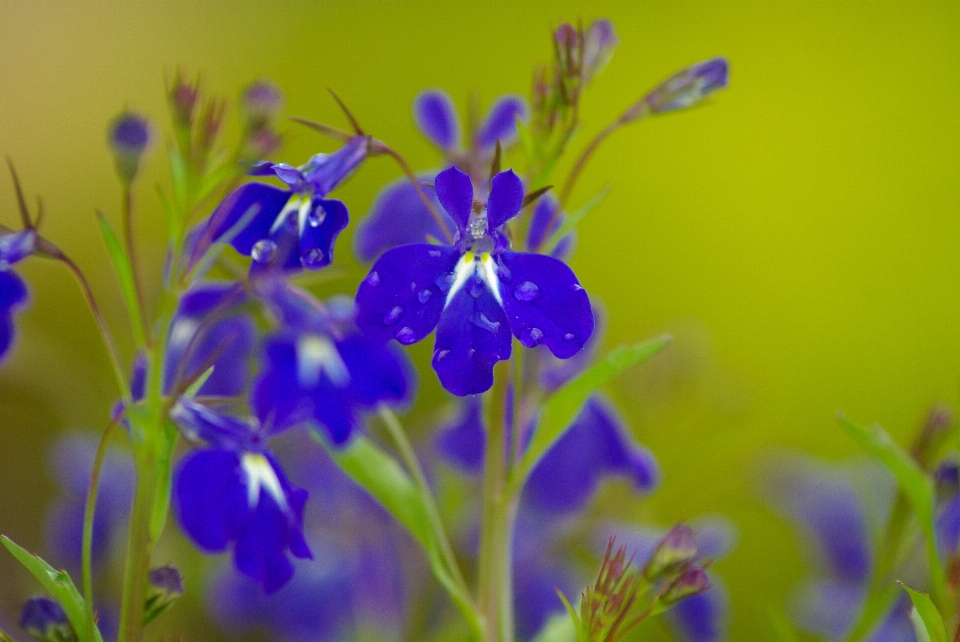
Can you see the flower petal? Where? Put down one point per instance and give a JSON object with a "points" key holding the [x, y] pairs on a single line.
{"points": [[277, 398], [211, 498], [16, 246], [325, 171], [437, 118], [223, 431], [501, 122], [268, 200], [398, 217], [455, 192], [545, 303], [378, 372], [472, 335], [13, 294], [404, 293], [505, 200], [325, 221], [701, 618], [463, 442]]}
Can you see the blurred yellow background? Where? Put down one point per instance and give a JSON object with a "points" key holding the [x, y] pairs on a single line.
{"points": [[799, 234]]}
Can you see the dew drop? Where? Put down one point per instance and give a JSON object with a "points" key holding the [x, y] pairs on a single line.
{"points": [[568, 336], [481, 321], [436, 255], [373, 279], [312, 259], [476, 288], [406, 336], [471, 352], [424, 296], [317, 216], [526, 291], [535, 335], [576, 287], [392, 315], [264, 251], [440, 355], [444, 282]]}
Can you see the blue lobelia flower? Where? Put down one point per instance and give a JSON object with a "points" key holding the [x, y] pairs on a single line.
{"points": [[235, 492], [14, 247], [475, 292], [319, 369], [398, 215], [293, 228]]}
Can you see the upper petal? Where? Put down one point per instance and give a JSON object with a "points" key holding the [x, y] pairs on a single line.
{"points": [[220, 430], [545, 303], [455, 192], [501, 122], [398, 217], [325, 171], [324, 222], [403, 295], [505, 200], [16, 246], [437, 118]]}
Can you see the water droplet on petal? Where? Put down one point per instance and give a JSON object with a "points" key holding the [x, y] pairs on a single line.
{"points": [[317, 216], [534, 335], [471, 352], [424, 296], [576, 287], [436, 255], [264, 251], [476, 288], [393, 315], [444, 281], [312, 259], [481, 321], [526, 291], [373, 279], [568, 336], [440, 355], [406, 336]]}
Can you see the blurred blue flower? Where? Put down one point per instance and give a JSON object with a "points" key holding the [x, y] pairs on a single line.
{"points": [[14, 247], [475, 292]]}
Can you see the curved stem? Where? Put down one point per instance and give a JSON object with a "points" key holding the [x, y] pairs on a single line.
{"points": [[127, 216], [88, 517], [581, 163], [413, 465], [384, 148], [101, 324]]}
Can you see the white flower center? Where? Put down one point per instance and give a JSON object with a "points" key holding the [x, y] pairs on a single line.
{"points": [[261, 476], [467, 267], [316, 354]]}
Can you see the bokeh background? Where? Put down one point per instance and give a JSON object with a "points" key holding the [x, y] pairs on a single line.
{"points": [[798, 235]]}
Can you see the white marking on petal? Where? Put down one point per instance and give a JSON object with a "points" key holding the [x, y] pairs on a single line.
{"points": [[294, 203], [303, 214], [261, 476], [469, 266], [183, 331], [466, 266], [488, 272], [316, 354]]}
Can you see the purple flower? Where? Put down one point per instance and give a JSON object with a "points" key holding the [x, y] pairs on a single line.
{"points": [[475, 292], [45, 620], [294, 228], [320, 369], [14, 247], [234, 492], [688, 86], [128, 137], [437, 119]]}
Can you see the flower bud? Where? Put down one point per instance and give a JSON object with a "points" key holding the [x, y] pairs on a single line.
{"points": [[932, 435], [45, 621], [261, 102], [183, 101], [675, 550], [165, 587], [599, 41], [692, 581], [128, 137], [689, 86]]}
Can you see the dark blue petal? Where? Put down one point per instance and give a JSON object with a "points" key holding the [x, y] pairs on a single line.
{"points": [[202, 299], [543, 222], [404, 293], [505, 200], [324, 223], [223, 431], [948, 527], [277, 398], [501, 122], [325, 171], [472, 335], [545, 303], [897, 626], [701, 618], [378, 372], [280, 251], [211, 498], [399, 217], [266, 201], [13, 294], [455, 192], [535, 595], [437, 118], [16, 246], [463, 442], [261, 168], [296, 309]]}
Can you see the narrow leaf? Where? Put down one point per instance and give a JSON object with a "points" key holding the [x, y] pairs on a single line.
{"points": [[925, 617], [559, 628], [917, 487], [58, 584], [534, 196], [570, 224], [124, 272], [561, 408]]}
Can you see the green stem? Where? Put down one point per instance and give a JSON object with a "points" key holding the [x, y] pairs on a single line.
{"points": [[88, 516], [139, 548], [127, 216], [412, 463]]}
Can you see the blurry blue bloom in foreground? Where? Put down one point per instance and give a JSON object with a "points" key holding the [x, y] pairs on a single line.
{"points": [[45, 621], [838, 518], [288, 229], [235, 492], [436, 117], [128, 138], [475, 292], [318, 368], [14, 247], [71, 462]]}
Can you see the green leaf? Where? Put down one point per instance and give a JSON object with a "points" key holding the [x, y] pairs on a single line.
{"points": [[559, 628], [563, 406], [384, 478], [570, 224], [60, 587], [124, 272], [161, 499], [917, 487], [4, 637], [926, 619]]}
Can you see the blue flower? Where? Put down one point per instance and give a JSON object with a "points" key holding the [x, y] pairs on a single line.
{"points": [[318, 368], [14, 247], [288, 229], [437, 119], [234, 492], [475, 292]]}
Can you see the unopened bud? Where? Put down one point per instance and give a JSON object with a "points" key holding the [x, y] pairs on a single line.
{"points": [[692, 581], [45, 621], [675, 550], [166, 587], [689, 86], [261, 102], [183, 97], [935, 430], [210, 124], [128, 137], [599, 41]]}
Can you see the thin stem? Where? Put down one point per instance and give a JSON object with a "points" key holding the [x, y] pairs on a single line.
{"points": [[139, 547], [127, 217], [88, 517], [384, 148], [101, 324], [412, 463], [581, 163]]}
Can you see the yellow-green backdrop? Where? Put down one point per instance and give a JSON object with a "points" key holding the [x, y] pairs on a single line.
{"points": [[799, 235]]}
